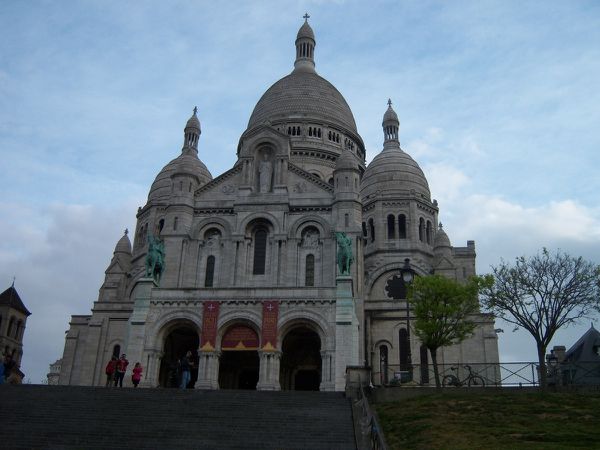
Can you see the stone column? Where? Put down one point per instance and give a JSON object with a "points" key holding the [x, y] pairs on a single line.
{"points": [[151, 371], [208, 370], [268, 378], [346, 331], [327, 371]]}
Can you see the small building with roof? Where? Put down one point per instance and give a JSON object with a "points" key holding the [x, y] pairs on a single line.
{"points": [[580, 364], [13, 321], [241, 268]]}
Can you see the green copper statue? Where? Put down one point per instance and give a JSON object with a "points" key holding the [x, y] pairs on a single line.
{"points": [[344, 256], [155, 258]]}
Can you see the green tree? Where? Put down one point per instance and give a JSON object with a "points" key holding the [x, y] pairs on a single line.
{"points": [[442, 308], [542, 294]]}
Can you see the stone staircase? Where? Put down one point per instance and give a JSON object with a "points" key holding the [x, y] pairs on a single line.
{"points": [[70, 417]]}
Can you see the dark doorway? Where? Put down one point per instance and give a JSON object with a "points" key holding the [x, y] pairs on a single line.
{"points": [[238, 369], [301, 360], [177, 344]]}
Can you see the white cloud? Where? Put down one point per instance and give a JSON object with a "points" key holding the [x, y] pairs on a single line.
{"points": [[59, 261]]}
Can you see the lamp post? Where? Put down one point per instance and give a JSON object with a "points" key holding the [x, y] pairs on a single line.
{"points": [[407, 277]]}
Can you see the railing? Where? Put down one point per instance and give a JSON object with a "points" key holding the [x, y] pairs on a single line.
{"points": [[494, 375], [503, 374], [574, 374], [368, 422]]}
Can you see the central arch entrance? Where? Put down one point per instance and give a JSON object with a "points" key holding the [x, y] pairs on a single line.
{"points": [[179, 341], [239, 362], [300, 368]]}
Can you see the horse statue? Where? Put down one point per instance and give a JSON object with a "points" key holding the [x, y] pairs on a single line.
{"points": [[344, 256], [155, 258]]}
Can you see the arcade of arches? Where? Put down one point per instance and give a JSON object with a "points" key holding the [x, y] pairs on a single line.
{"points": [[239, 359]]}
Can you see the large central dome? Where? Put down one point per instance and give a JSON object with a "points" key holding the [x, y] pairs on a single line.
{"points": [[303, 94]]}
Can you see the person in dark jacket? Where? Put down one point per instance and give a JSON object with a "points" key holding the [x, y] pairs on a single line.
{"points": [[122, 364], [186, 367]]}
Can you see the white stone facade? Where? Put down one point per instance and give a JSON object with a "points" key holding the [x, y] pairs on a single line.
{"points": [[262, 235]]}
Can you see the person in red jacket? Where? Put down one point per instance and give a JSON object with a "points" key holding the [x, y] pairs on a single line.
{"points": [[122, 364], [137, 374], [110, 370]]}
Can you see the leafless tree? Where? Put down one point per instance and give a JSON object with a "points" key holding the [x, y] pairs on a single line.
{"points": [[542, 294]]}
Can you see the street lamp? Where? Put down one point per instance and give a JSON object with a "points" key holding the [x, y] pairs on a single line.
{"points": [[408, 276]]}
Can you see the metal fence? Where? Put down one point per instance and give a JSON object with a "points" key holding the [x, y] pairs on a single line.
{"points": [[492, 375]]}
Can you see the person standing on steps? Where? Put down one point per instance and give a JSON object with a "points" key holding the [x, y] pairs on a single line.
{"points": [[110, 370], [186, 366], [137, 374], [122, 364]]}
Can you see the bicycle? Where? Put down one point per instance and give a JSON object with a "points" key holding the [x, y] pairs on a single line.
{"points": [[471, 380]]}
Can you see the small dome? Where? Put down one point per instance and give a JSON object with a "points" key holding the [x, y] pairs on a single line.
{"points": [[193, 122], [347, 161], [124, 244], [441, 239], [305, 31], [186, 164], [394, 172], [390, 115]]}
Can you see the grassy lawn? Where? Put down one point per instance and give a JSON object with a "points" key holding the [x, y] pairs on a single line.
{"points": [[493, 421]]}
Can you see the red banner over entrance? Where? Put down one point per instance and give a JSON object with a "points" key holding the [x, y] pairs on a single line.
{"points": [[269, 325], [240, 337], [209, 326]]}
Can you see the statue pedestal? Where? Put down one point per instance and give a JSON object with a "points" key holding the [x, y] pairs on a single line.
{"points": [[346, 331], [136, 330]]}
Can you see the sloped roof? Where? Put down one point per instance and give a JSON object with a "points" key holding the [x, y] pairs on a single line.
{"points": [[10, 297], [585, 348]]}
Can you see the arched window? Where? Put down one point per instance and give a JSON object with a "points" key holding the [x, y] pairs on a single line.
{"points": [[309, 278], [421, 230], [372, 230], [364, 229], [429, 232], [403, 349], [116, 351], [11, 325], [210, 271], [391, 227], [175, 223], [402, 226], [260, 251], [161, 225], [19, 329], [383, 364]]}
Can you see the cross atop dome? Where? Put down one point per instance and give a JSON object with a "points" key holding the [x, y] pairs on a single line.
{"points": [[390, 102], [306, 17], [195, 110]]}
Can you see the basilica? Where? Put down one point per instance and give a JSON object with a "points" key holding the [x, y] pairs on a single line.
{"points": [[241, 268]]}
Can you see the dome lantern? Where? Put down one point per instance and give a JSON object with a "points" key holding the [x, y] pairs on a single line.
{"points": [[391, 126], [305, 47], [192, 133]]}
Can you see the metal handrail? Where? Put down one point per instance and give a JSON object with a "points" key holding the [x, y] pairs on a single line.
{"points": [[368, 422]]}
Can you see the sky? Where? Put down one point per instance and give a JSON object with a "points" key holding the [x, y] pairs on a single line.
{"points": [[498, 102]]}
